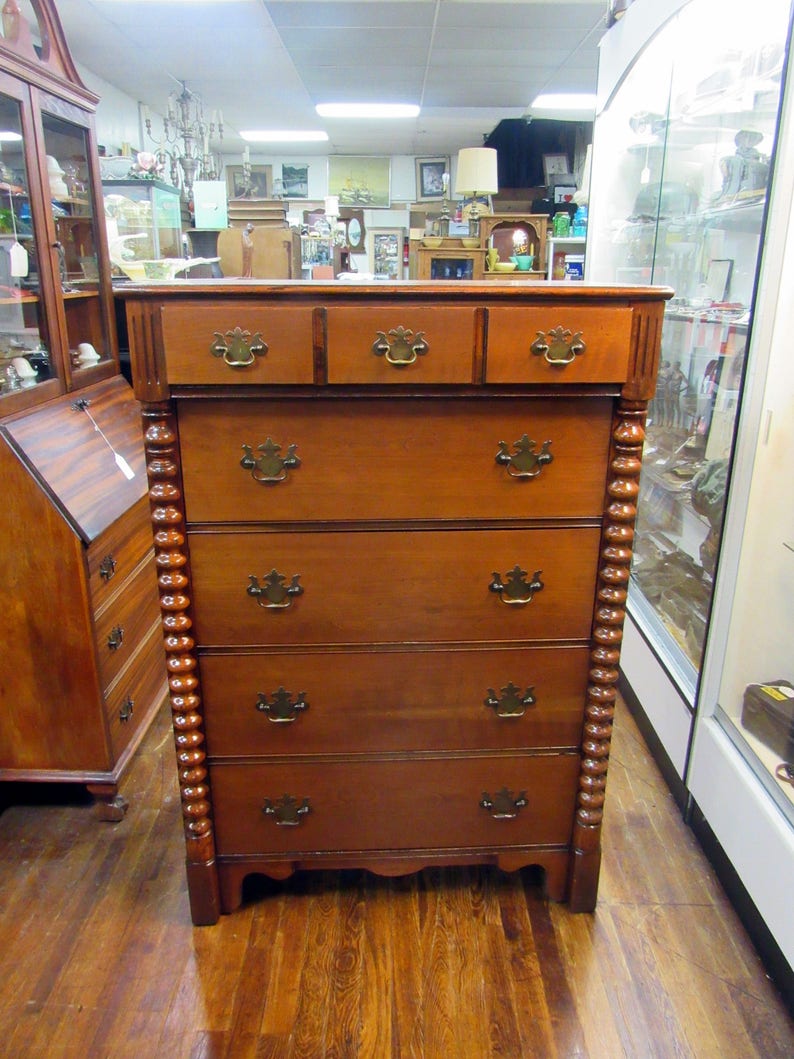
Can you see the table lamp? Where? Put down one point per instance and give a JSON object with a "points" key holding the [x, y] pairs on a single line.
{"points": [[476, 175]]}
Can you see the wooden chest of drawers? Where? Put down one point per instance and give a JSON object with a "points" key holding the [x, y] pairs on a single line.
{"points": [[393, 526]]}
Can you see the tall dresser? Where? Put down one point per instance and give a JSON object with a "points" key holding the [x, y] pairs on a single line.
{"points": [[393, 527]]}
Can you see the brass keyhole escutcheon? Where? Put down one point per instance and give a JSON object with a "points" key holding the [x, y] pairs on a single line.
{"points": [[280, 707], [511, 703], [286, 811], [515, 590], [559, 346], [400, 346], [503, 805], [274, 593], [525, 461], [268, 466], [238, 348]]}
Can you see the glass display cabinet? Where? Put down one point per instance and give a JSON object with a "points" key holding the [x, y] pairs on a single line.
{"points": [[683, 149], [79, 616], [143, 220], [56, 321], [693, 185]]}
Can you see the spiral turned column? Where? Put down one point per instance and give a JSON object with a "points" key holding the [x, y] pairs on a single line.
{"points": [[171, 558], [628, 436]]}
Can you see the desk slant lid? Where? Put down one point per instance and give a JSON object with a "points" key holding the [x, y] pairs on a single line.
{"points": [[71, 445]]}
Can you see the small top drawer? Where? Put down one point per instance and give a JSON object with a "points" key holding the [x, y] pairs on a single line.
{"points": [[394, 343], [238, 343], [558, 344]]}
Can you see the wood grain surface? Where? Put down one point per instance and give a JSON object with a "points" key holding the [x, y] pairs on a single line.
{"points": [[98, 957]]}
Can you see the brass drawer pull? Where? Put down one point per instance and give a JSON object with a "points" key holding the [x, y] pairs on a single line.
{"points": [[503, 806], [280, 709], [274, 594], [268, 466], [107, 568], [525, 462], [238, 348], [116, 638], [516, 591], [401, 347], [559, 346], [286, 810], [126, 709], [511, 703]]}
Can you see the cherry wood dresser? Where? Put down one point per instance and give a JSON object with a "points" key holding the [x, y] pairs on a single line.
{"points": [[393, 527]]}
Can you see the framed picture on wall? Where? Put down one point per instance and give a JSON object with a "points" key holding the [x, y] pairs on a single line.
{"points": [[430, 178], [295, 181], [359, 181], [554, 165], [386, 252], [261, 186]]}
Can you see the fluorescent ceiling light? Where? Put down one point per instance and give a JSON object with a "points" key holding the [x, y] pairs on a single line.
{"points": [[564, 101], [367, 110], [284, 135], [7, 136]]}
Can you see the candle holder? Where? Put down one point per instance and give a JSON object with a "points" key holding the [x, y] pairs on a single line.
{"points": [[185, 140]]}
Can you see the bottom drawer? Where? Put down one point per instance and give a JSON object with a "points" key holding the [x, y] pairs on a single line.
{"points": [[394, 805], [129, 700]]}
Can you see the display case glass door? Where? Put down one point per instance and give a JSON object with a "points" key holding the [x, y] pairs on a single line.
{"points": [[25, 343], [68, 186], [682, 164]]}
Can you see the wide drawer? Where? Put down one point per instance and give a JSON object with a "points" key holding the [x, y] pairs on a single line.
{"points": [[392, 586], [201, 340], [397, 459], [433, 803], [114, 555], [129, 701], [122, 625], [604, 334], [446, 355], [355, 702]]}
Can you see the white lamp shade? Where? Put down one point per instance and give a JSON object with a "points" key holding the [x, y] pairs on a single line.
{"points": [[476, 172]]}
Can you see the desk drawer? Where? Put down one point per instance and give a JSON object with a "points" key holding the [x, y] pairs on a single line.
{"points": [[604, 333], [447, 334], [356, 702], [126, 620], [129, 701], [191, 332], [400, 586], [400, 459], [433, 803], [114, 555]]}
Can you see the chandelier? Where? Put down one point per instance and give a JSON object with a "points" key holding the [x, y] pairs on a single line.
{"points": [[185, 140]]}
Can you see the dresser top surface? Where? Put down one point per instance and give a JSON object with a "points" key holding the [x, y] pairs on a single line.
{"points": [[458, 290]]}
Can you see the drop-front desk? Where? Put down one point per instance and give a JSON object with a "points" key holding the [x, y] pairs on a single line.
{"points": [[393, 526]]}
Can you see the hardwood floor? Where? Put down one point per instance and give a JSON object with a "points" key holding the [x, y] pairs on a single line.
{"points": [[98, 957]]}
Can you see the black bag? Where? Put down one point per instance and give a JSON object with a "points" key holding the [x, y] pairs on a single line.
{"points": [[768, 714]]}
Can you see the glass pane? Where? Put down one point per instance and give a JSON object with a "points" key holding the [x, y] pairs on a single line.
{"points": [[24, 339], [144, 223], [691, 132], [66, 146]]}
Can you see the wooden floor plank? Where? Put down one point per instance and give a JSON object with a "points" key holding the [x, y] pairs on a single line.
{"points": [[98, 956]]}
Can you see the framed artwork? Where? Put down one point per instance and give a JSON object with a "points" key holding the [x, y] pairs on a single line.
{"points": [[430, 178], [295, 181], [261, 182], [386, 252], [554, 165], [353, 221], [359, 181]]}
